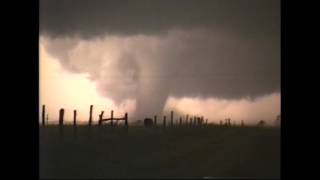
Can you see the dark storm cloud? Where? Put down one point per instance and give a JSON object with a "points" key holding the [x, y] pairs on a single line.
{"points": [[91, 18]]}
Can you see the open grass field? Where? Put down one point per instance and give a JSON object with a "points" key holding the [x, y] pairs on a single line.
{"points": [[198, 152]]}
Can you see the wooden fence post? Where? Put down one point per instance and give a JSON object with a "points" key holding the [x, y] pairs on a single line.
{"points": [[74, 118], [74, 123], [180, 121], [171, 121], [126, 120], [90, 116], [164, 121], [43, 114], [111, 117], [100, 118], [61, 114], [47, 122]]}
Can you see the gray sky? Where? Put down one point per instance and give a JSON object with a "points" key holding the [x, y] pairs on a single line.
{"points": [[90, 18]]}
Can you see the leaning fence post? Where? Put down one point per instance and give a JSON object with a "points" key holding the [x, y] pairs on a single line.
{"points": [[43, 114], [100, 118], [74, 118], [111, 117], [90, 116]]}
